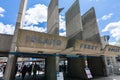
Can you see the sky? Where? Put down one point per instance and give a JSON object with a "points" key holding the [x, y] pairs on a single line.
{"points": [[107, 14]]}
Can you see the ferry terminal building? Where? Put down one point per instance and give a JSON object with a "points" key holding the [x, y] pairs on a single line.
{"points": [[82, 47]]}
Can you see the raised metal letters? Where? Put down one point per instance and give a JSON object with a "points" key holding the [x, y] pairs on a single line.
{"points": [[87, 46], [40, 40]]}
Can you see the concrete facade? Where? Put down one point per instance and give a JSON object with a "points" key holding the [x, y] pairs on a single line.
{"points": [[53, 18], [86, 47], [5, 42], [90, 27], [73, 20], [12, 59], [112, 59], [34, 42], [80, 28], [52, 62], [90, 32], [74, 31]]}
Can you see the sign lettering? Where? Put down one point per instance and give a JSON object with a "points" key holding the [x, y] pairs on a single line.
{"points": [[113, 49], [40, 40], [87, 46]]}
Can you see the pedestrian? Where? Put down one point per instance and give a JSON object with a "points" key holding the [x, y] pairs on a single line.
{"points": [[16, 69], [4, 67], [29, 69], [35, 67], [23, 71]]}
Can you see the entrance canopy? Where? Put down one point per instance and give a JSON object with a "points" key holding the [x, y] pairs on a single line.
{"points": [[36, 42]]}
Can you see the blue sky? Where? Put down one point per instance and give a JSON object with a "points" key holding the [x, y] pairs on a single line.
{"points": [[107, 13]]}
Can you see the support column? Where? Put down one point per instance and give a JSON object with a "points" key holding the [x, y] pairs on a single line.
{"points": [[76, 68], [10, 68], [51, 67], [12, 59], [97, 66]]}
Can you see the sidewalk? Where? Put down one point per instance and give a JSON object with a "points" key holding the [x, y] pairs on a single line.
{"points": [[38, 77], [41, 77], [112, 77]]}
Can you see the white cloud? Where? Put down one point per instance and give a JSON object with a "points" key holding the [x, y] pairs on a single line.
{"points": [[1, 12], [105, 17], [6, 29], [33, 17], [98, 20], [35, 28], [62, 25], [112, 43], [114, 29], [62, 22], [63, 34], [36, 14]]}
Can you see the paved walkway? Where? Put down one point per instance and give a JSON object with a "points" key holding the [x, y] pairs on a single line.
{"points": [[113, 77], [41, 77]]}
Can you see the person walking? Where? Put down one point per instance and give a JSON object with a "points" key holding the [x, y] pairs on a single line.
{"points": [[29, 70], [4, 68], [23, 71], [35, 67], [16, 70]]}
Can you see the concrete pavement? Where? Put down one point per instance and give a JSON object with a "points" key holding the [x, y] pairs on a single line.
{"points": [[112, 77], [41, 77]]}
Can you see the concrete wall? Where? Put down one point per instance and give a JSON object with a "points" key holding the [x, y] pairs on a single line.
{"points": [[5, 42], [73, 20], [31, 41], [86, 47], [90, 33], [73, 31], [112, 50], [90, 27], [53, 18]]}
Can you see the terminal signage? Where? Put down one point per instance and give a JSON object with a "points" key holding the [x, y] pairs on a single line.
{"points": [[88, 73], [110, 49], [86, 47], [36, 41]]}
